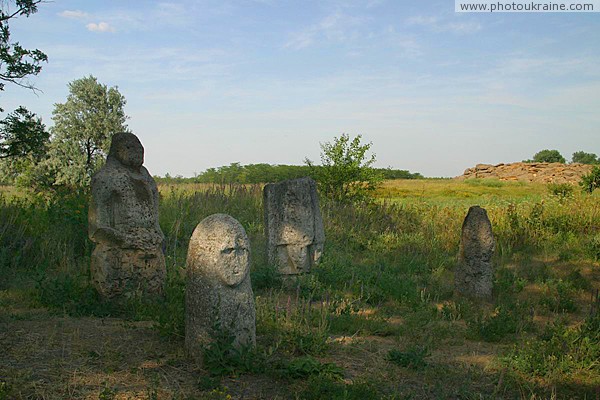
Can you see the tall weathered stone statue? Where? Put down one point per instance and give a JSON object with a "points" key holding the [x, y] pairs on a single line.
{"points": [[474, 275], [293, 224], [218, 294], [123, 223]]}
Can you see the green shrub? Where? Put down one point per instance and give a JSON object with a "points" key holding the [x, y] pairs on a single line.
{"points": [[320, 387], [414, 357], [593, 247], [265, 276], [560, 352], [222, 358], [549, 156], [355, 324], [5, 390], [304, 367], [507, 283], [561, 190], [293, 323], [169, 313], [591, 181], [452, 311], [559, 296], [72, 294], [506, 319]]}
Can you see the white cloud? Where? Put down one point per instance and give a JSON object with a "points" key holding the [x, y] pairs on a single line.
{"points": [[443, 25], [334, 27], [74, 14], [408, 45], [100, 27]]}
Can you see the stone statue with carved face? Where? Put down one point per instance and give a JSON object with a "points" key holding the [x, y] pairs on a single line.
{"points": [[474, 274], [219, 298], [123, 223], [293, 225]]}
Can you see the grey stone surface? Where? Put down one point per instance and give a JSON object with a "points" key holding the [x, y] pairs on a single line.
{"points": [[218, 295], [474, 275], [123, 223], [293, 224]]}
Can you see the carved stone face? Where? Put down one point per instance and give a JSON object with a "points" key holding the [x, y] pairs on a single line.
{"points": [[233, 260], [128, 149], [221, 242]]}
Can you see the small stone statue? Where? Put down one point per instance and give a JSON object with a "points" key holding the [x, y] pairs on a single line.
{"points": [[293, 224], [123, 223], [474, 275], [218, 297]]}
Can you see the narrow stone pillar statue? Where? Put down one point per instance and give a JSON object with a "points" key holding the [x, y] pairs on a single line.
{"points": [[123, 223], [293, 225], [218, 294], [474, 275]]}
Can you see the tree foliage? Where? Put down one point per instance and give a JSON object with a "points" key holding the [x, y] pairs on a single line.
{"points": [[591, 181], [264, 173], [16, 62], [585, 158], [83, 128], [81, 135], [549, 156], [21, 134], [346, 173]]}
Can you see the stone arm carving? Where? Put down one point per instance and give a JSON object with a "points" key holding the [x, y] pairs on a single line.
{"points": [[101, 217], [155, 205]]}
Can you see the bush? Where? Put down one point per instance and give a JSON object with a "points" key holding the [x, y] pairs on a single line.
{"points": [[221, 357], [559, 296], [346, 174], [506, 319], [304, 367], [561, 190], [549, 156], [591, 181], [413, 357], [559, 351], [321, 387], [585, 158]]}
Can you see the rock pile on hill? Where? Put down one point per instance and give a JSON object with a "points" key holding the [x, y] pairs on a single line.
{"points": [[529, 172]]}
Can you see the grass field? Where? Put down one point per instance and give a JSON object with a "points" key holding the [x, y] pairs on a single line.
{"points": [[377, 319]]}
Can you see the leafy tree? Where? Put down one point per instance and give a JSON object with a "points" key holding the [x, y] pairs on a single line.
{"points": [[17, 63], [22, 133], [81, 135], [585, 158], [346, 173], [549, 156], [591, 181]]}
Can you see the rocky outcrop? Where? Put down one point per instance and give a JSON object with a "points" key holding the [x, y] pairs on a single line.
{"points": [[529, 172]]}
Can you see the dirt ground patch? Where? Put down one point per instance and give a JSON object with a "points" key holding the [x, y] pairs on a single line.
{"points": [[53, 357]]}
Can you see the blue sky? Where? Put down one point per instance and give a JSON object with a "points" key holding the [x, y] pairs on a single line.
{"points": [[209, 83]]}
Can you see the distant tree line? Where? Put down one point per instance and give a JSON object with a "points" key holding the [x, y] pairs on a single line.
{"points": [[262, 173], [554, 156]]}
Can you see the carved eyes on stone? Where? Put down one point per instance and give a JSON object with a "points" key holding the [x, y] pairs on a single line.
{"points": [[231, 250]]}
